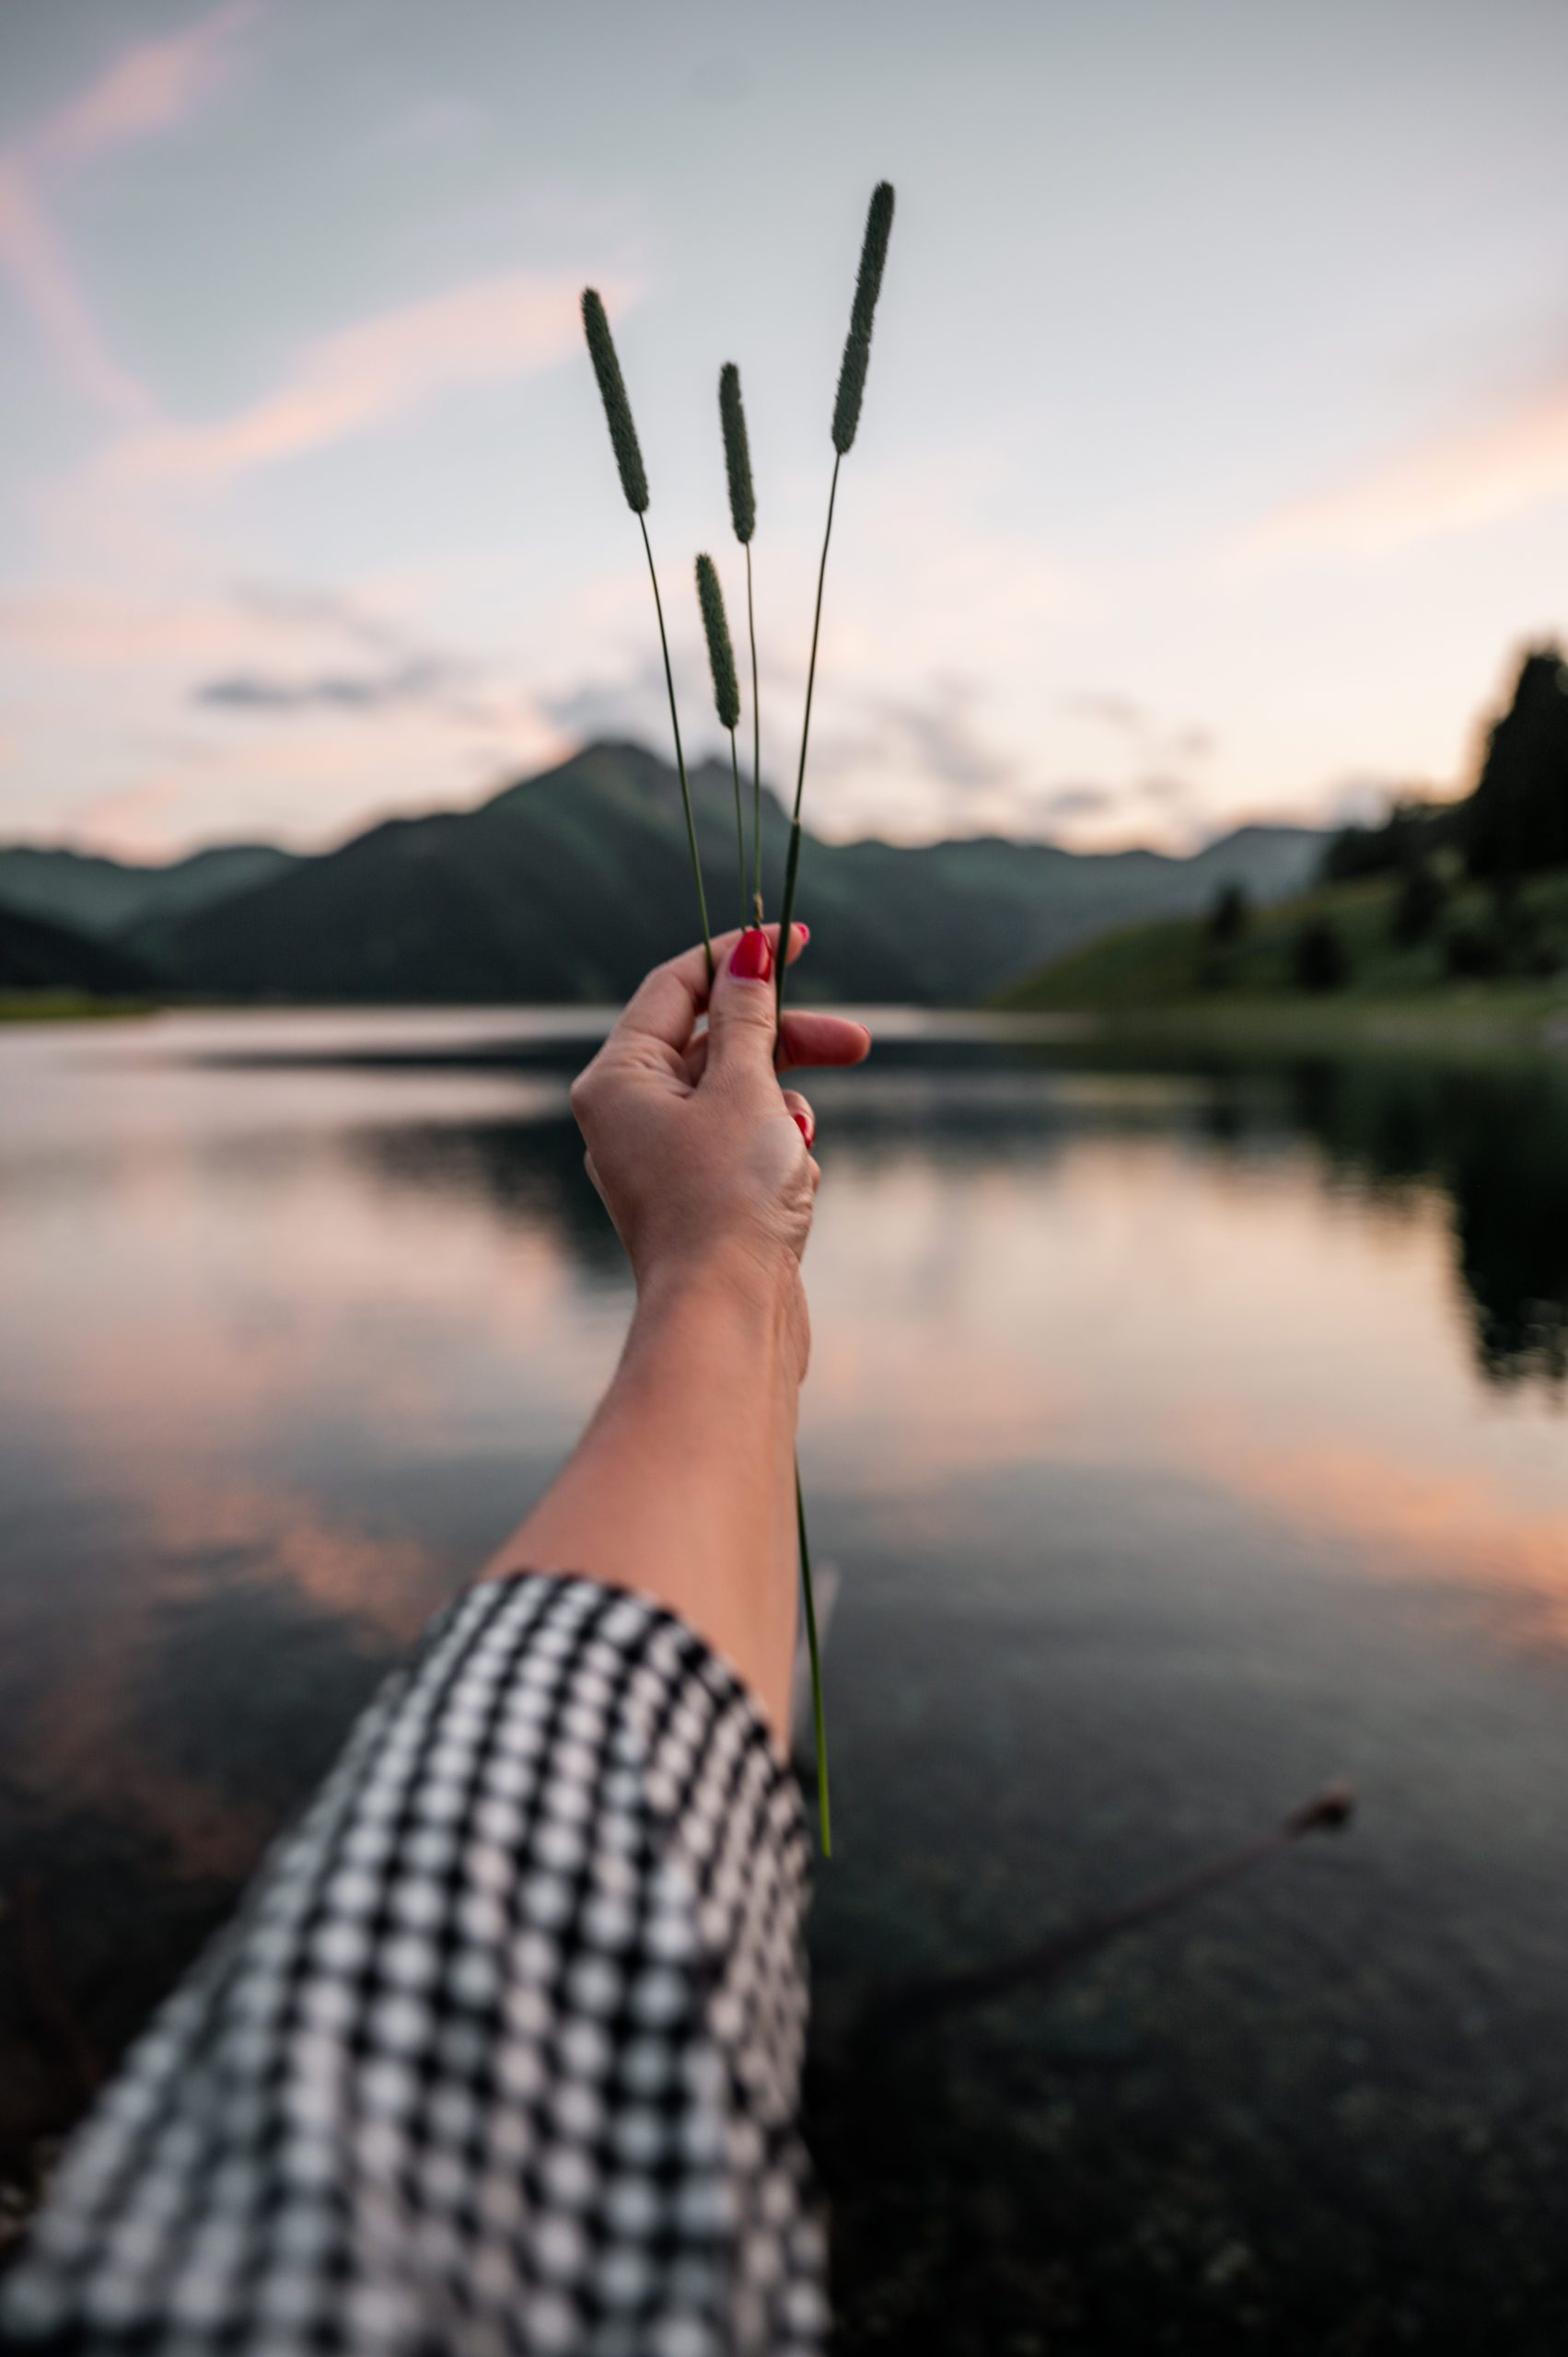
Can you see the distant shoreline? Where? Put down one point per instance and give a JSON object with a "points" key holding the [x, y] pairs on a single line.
{"points": [[1463, 1023]]}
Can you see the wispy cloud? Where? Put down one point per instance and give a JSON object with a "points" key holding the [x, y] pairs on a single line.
{"points": [[1165, 787], [1116, 711], [36, 260], [627, 705], [1063, 802], [148, 89], [367, 375], [926, 749], [419, 680], [1143, 728], [126, 819], [940, 731], [1498, 466], [270, 709]]}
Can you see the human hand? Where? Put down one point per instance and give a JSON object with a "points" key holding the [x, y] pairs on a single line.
{"points": [[702, 1160]]}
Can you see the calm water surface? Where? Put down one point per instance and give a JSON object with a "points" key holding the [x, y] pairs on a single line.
{"points": [[1183, 1440]]}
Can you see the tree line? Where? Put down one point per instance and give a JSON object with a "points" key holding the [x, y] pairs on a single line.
{"points": [[1513, 825]]}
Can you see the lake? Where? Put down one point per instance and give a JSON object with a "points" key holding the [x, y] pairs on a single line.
{"points": [[1183, 1437]]}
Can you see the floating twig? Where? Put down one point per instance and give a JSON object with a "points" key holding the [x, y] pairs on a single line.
{"points": [[912, 2005]]}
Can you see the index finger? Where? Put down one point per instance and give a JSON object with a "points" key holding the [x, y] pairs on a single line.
{"points": [[666, 1005]]}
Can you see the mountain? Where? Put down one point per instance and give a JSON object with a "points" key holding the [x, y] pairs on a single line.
{"points": [[38, 955], [568, 885], [107, 895], [980, 913]]}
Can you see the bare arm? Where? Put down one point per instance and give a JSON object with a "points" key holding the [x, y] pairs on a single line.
{"points": [[558, 1866], [682, 1487]]}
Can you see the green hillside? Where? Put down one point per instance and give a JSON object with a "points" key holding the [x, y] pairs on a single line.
{"points": [[94, 895], [36, 955], [1465, 942]]}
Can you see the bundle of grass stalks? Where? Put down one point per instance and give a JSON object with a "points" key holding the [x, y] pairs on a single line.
{"points": [[726, 689]]}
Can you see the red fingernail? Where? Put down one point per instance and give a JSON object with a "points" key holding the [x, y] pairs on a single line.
{"points": [[806, 1125], [751, 961], [804, 930]]}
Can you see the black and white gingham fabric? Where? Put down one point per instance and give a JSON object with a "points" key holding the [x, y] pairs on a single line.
{"points": [[502, 2050]]}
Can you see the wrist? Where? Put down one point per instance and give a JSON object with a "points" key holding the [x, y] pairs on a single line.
{"points": [[730, 1294]]}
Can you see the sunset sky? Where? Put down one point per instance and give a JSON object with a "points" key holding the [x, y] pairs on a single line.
{"points": [[1215, 458]]}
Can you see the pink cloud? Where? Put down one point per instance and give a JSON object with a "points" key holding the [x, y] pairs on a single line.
{"points": [[365, 374], [35, 258], [182, 769], [127, 823], [1502, 466], [151, 88], [148, 89]]}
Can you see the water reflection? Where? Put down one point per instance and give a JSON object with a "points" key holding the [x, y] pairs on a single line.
{"points": [[1184, 1435], [1495, 1143], [1498, 1144]]}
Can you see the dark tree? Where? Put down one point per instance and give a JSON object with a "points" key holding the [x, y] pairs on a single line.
{"points": [[1419, 904], [1229, 916], [1354, 851], [1318, 959], [1477, 953], [1517, 818], [1411, 830]]}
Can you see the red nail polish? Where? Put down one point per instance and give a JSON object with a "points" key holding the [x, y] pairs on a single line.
{"points": [[751, 961], [804, 930], [806, 1125]]}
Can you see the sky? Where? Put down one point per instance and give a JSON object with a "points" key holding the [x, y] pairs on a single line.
{"points": [[1214, 463]]}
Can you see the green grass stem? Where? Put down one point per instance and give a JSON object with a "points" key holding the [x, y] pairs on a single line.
{"points": [[739, 825], [756, 752], [680, 758], [820, 1725], [792, 864]]}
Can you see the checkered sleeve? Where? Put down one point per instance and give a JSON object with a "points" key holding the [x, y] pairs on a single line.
{"points": [[502, 2052]]}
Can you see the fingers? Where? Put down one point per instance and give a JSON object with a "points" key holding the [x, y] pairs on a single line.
{"points": [[801, 1114], [743, 1013], [814, 1040], [821, 1039], [666, 1005]]}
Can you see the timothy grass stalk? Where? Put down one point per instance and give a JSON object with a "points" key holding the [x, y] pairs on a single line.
{"points": [[634, 483], [756, 752], [813, 1655], [743, 515], [846, 421], [727, 691]]}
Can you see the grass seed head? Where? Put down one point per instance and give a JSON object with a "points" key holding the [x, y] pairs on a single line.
{"points": [[857, 343], [617, 408], [851, 388], [721, 654], [737, 453], [872, 255]]}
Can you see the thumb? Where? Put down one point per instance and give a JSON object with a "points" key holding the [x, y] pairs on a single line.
{"points": [[743, 1010]]}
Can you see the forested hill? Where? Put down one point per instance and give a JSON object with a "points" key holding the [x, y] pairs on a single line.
{"points": [[568, 885], [1440, 900]]}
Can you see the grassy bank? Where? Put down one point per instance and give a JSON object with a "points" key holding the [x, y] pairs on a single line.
{"points": [[1175, 981], [67, 1006], [1466, 1026]]}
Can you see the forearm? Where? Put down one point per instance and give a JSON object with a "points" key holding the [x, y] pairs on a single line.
{"points": [[683, 1487]]}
